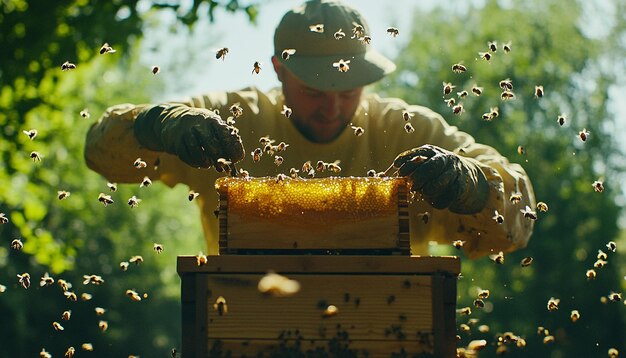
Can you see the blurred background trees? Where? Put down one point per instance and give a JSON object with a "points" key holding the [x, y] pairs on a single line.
{"points": [[553, 44]]}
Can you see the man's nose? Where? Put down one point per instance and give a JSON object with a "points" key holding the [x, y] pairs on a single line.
{"points": [[331, 107]]}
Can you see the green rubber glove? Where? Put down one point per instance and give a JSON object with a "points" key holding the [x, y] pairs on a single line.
{"points": [[199, 137], [445, 179]]}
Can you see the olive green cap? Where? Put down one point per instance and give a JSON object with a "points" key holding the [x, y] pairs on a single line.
{"points": [[317, 51]]}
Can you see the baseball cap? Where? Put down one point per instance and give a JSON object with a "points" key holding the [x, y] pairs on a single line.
{"points": [[310, 30]]}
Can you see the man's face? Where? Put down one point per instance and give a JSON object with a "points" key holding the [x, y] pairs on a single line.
{"points": [[320, 116]]}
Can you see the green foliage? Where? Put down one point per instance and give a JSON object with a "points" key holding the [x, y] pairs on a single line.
{"points": [[549, 48]]}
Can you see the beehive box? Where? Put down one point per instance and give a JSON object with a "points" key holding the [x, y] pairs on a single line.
{"points": [[347, 214], [386, 305]]}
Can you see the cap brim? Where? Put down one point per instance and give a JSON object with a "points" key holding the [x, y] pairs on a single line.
{"points": [[319, 73]]}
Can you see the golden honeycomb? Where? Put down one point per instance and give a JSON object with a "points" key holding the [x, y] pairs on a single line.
{"points": [[300, 201]]}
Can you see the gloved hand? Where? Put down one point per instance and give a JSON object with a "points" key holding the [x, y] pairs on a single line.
{"points": [[199, 137], [445, 179]]}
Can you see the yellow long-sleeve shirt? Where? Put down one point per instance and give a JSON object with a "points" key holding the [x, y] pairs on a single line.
{"points": [[111, 149]]}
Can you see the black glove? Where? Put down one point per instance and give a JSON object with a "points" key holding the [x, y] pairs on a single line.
{"points": [[199, 137], [445, 179]]}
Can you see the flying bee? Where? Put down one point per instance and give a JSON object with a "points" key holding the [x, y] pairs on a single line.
{"points": [[495, 112], [145, 182], [287, 53], [493, 46], [584, 134], [306, 167], [62, 194], [406, 115], [450, 102], [506, 84], [139, 164], [393, 31], [553, 304], [357, 31], [358, 131], [601, 255], [365, 40], [277, 285], [133, 202], [462, 94], [339, 34], [278, 160], [526, 261], [236, 110], [256, 154], [112, 186], [155, 70], [99, 311], [599, 263], [612, 246], [86, 297], [485, 55], [458, 68], [268, 149], [333, 167], [529, 214], [320, 166], [447, 88], [541, 206], [293, 173], [408, 127], [286, 111], [57, 326], [103, 325], [465, 311], [458, 244], [137, 259], [65, 286], [613, 353], [192, 195], [70, 296], [46, 280], [221, 53], [31, 134], [201, 259], [484, 294], [256, 68], [35, 156], [17, 244], [66, 66], [458, 109], [561, 119], [281, 147], [515, 197], [87, 347], [93, 279], [66, 315], [3, 218], [105, 199], [223, 165], [574, 315], [342, 65], [506, 95], [330, 311], [521, 150], [44, 354], [426, 218], [506, 47], [615, 296], [598, 186], [548, 339], [24, 280], [124, 265], [479, 303], [497, 258], [134, 296], [106, 49], [487, 116], [266, 140], [538, 91], [318, 28], [220, 306], [477, 90]]}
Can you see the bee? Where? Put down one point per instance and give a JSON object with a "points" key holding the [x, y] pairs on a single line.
{"points": [[192, 195], [591, 274], [358, 131], [484, 294], [134, 296], [35, 156], [447, 88], [493, 46], [426, 217], [280, 178], [103, 325], [574, 315], [155, 70], [70, 296], [86, 297], [479, 303], [506, 84], [330, 311], [85, 113], [515, 197], [124, 265], [46, 280], [17, 244], [483, 328], [548, 339], [266, 140], [256, 154], [506, 95], [112, 186], [306, 167], [69, 353], [256, 68], [529, 214], [277, 285], [286, 111], [613, 353], [406, 115], [62, 194], [541, 206], [287, 53], [526, 261], [221, 53], [339, 34], [584, 134], [487, 116], [318, 28], [88, 347], [365, 40], [458, 109], [201, 259], [598, 186], [93, 279], [477, 90], [521, 150], [357, 31], [485, 56], [24, 280], [542, 331], [615, 297], [64, 284], [236, 110], [244, 174], [462, 94], [320, 166], [145, 182], [66, 315], [133, 202], [450, 102], [57, 326], [3, 218], [66, 66], [409, 128], [268, 149], [465, 311], [495, 112], [599, 263], [393, 31], [612, 246], [371, 173], [561, 119], [553, 304], [220, 306], [139, 164], [278, 160], [342, 65], [281, 147], [506, 47], [106, 49], [293, 173], [99, 311], [44, 354], [223, 165], [333, 167], [464, 328], [458, 244], [497, 258], [137, 259], [31, 134], [538, 91], [458, 68], [105, 199]]}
